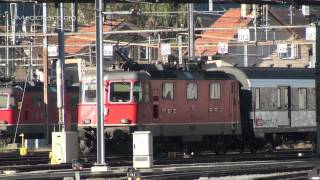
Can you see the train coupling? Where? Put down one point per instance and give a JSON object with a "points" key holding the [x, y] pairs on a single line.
{"points": [[133, 174]]}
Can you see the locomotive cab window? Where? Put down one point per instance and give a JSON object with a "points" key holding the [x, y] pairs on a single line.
{"points": [[89, 92], [137, 93], [192, 91], [167, 91], [215, 91], [120, 91], [3, 101]]}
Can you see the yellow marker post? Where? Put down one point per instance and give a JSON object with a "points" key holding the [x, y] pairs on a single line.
{"points": [[23, 150]]}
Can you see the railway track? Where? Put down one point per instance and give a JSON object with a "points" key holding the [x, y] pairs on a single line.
{"points": [[35, 158], [180, 171]]}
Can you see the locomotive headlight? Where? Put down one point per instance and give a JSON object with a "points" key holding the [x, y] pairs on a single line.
{"points": [[87, 121], [124, 121], [3, 122]]}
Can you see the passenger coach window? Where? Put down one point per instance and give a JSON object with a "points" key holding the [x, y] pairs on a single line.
{"points": [[192, 91], [302, 98], [215, 91], [257, 98], [279, 97], [167, 91], [137, 93], [3, 101], [89, 90], [120, 91], [286, 96]]}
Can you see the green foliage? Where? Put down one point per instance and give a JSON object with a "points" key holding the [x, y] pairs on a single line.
{"points": [[86, 14], [147, 20]]}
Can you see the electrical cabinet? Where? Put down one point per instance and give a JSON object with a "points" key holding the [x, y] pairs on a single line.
{"points": [[64, 147], [142, 149]]}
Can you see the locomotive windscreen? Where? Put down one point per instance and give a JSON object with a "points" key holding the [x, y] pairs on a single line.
{"points": [[88, 92], [120, 91]]}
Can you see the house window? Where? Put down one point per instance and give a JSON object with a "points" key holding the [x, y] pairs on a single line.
{"points": [[154, 53], [192, 91], [215, 91], [303, 98], [143, 53], [167, 91], [292, 52], [257, 98]]}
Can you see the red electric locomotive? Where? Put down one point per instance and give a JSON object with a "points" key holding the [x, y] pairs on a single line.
{"points": [[24, 109], [180, 108]]}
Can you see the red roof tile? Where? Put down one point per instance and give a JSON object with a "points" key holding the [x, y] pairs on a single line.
{"points": [[206, 44], [77, 43]]}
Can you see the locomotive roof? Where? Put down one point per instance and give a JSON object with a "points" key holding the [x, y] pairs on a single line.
{"points": [[168, 74], [35, 88], [279, 73], [192, 75], [188, 75]]}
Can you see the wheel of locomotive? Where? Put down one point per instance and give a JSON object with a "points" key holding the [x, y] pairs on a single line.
{"points": [[240, 145], [86, 143], [5, 139], [84, 149], [269, 147], [220, 148], [8, 139]]}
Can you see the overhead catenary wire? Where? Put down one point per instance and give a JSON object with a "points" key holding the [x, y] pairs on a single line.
{"points": [[138, 31]]}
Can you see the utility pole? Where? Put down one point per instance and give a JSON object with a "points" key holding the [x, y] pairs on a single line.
{"points": [[74, 16], [180, 50], [317, 54], [13, 11], [7, 44], [291, 15], [245, 54], [31, 60], [100, 165], [149, 51], [254, 7], [267, 16], [45, 72], [190, 33], [60, 71]]}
